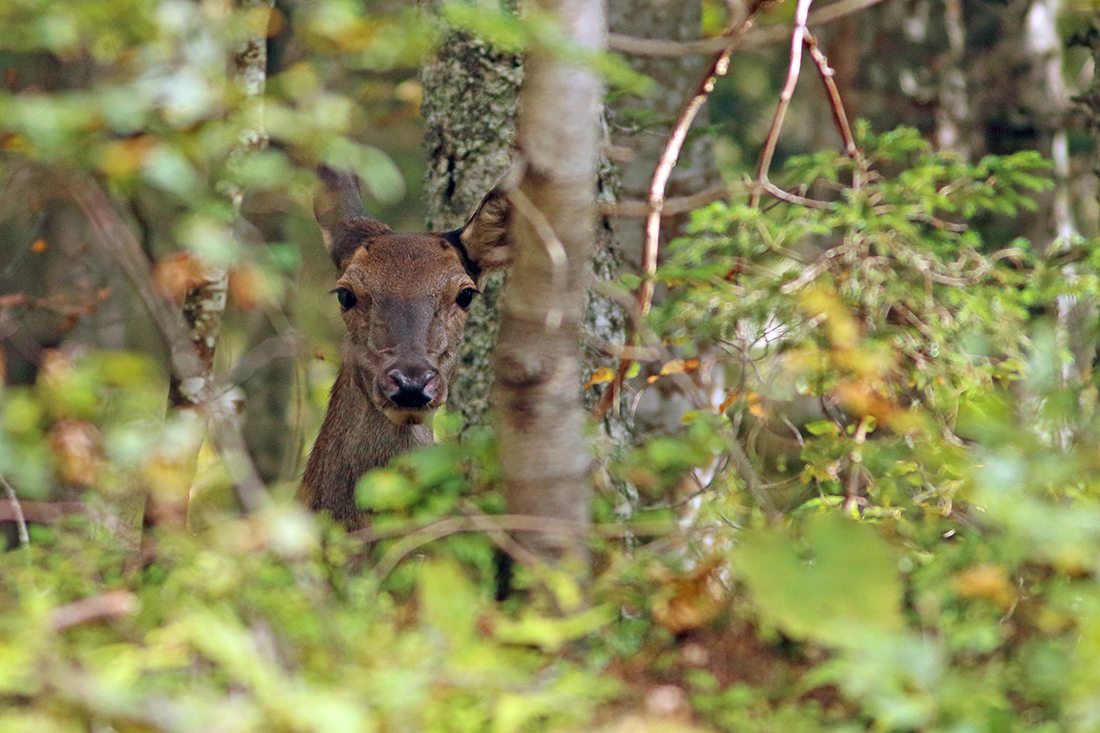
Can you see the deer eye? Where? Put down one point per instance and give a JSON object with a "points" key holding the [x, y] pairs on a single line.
{"points": [[465, 297], [346, 298]]}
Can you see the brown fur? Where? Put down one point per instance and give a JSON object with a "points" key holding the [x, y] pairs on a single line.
{"points": [[405, 320]]}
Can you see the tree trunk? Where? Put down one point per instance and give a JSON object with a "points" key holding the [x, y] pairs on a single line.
{"points": [[645, 138], [536, 393], [469, 109]]}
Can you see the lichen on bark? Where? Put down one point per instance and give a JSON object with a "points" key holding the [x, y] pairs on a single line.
{"points": [[469, 111]]}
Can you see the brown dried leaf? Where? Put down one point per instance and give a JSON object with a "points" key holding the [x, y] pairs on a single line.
{"points": [[985, 582], [246, 287], [178, 273], [77, 452], [690, 600]]}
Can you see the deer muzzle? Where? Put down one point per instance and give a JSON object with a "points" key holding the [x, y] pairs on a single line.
{"points": [[412, 392]]}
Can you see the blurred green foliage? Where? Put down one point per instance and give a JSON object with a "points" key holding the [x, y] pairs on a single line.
{"points": [[890, 523], [950, 586]]}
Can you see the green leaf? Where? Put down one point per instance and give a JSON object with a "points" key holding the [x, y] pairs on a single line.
{"points": [[385, 490], [849, 581], [447, 599], [552, 633]]}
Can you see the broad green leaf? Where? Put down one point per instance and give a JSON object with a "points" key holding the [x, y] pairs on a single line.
{"points": [[447, 599], [848, 581]]}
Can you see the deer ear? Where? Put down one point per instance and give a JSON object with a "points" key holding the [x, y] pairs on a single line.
{"points": [[339, 211], [487, 236]]}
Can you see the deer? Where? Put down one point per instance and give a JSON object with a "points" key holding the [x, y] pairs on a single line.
{"points": [[404, 298]]}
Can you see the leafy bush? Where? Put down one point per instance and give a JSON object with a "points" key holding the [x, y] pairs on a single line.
{"points": [[897, 529]]}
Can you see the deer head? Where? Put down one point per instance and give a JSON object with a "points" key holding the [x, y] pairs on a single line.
{"points": [[404, 299]]}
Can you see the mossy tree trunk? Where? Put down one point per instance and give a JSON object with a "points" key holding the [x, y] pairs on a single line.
{"points": [[469, 111]]}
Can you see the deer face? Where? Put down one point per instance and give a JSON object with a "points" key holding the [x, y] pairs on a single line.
{"points": [[405, 297]]}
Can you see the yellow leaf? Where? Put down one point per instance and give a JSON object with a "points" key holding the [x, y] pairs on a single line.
{"points": [[676, 366], [986, 582], [732, 396], [600, 376]]}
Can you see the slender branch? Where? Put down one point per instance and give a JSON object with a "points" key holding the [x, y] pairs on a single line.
{"points": [[663, 48], [700, 401], [416, 536], [465, 523], [785, 96], [672, 207], [810, 273], [836, 104], [655, 201], [96, 608], [121, 246], [791, 198], [17, 512], [119, 243], [39, 512], [500, 538]]}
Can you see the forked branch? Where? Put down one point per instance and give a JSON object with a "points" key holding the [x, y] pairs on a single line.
{"points": [[763, 185]]}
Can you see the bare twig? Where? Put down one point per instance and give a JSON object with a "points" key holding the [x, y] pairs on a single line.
{"points": [[500, 538], [464, 523], [762, 183], [851, 488], [660, 47], [672, 207], [810, 273], [655, 201], [17, 512], [39, 512], [840, 117], [120, 244], [108, 605], [413, 538]]}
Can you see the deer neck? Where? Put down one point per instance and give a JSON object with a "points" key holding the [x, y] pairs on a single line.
{"points": [[355, 437]]}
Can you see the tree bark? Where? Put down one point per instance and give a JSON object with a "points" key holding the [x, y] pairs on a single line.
{"points": [[205, 303], [536, 393], [645, 138], [469, 111]]}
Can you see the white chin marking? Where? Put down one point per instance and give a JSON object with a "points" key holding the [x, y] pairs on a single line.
{"points": [[407, 417]]}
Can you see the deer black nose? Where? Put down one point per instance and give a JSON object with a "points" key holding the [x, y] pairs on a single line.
{"points": [[412, 387]]}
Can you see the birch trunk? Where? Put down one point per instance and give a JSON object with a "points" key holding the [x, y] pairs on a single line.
{"points": [[536, 392]]}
